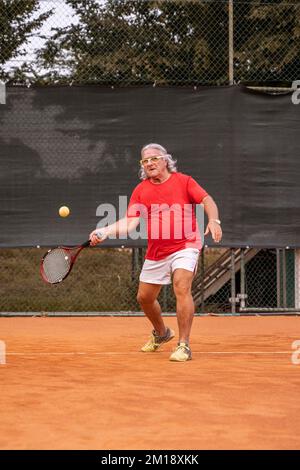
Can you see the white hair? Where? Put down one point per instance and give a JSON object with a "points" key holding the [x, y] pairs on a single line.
{"points": [[171, 163]]}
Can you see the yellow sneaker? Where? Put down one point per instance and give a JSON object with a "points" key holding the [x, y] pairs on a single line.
{"points": [[156, 341], [182, 353]]}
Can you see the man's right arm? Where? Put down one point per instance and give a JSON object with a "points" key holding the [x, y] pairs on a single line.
{"points": [[121, 227]]}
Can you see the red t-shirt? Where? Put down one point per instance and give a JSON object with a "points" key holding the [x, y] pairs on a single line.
{"points": [[169, 209]]}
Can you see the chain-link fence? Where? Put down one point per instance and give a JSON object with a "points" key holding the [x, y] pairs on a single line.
{"points": [[137, 42], [270, 280], [106, 280]]}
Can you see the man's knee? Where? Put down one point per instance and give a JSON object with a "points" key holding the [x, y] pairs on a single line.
{"points": [[182, 288], [145, 298]]}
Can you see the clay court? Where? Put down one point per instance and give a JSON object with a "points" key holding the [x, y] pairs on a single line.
{"points": [[81, 383]]}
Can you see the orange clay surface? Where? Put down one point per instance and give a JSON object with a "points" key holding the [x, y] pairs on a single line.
{"points": [[81, 383]]}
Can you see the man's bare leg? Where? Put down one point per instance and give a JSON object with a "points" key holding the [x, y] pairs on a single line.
{"points": [[147, 298], [185, 308]]}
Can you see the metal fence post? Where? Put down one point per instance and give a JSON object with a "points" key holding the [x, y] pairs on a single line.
{"points": [[133, 264], [284, 285], [242, 296], [202, 280], [278, 277], [140, 257], [233, 286], [230, 42]]}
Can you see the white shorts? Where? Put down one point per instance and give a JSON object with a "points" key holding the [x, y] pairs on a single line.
{"points": [[160, 272]]}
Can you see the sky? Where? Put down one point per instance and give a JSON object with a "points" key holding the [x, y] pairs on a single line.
{"points": [[63, 15]]}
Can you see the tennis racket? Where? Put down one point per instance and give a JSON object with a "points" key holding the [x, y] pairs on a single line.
{"points": [[58, 262]]}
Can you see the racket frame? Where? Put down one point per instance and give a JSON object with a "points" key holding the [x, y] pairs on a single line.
{"points": [[72, 261]]}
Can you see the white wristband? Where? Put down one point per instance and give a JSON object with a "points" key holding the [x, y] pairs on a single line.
{"points": [[216, 220], [100, 234]]}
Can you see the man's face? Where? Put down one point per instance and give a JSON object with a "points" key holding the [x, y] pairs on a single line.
{"points": [[153, 163]]}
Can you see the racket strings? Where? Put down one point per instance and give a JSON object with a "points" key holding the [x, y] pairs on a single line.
{"points": [[56, 265]]}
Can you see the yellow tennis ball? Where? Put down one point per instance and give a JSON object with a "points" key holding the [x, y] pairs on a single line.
{"points": [[64, 211]]}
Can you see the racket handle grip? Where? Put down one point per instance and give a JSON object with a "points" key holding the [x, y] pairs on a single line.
{"points": [[99, 236]]}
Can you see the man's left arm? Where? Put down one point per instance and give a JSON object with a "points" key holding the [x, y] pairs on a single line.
{"points": [[199, 196], [214, 224]]}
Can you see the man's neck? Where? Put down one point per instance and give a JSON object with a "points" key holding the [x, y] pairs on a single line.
{"points": [[161, 179]]}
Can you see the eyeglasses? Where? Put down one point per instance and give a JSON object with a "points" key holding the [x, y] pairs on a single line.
{"points": [[153, 159]]}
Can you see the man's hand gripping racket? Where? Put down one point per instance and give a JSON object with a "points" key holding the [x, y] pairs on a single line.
{"points": [[58, 262]]}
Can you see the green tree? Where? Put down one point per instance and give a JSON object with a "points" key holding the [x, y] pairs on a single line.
{"points": [[18, 23], [137, 41], [267, 40]]}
